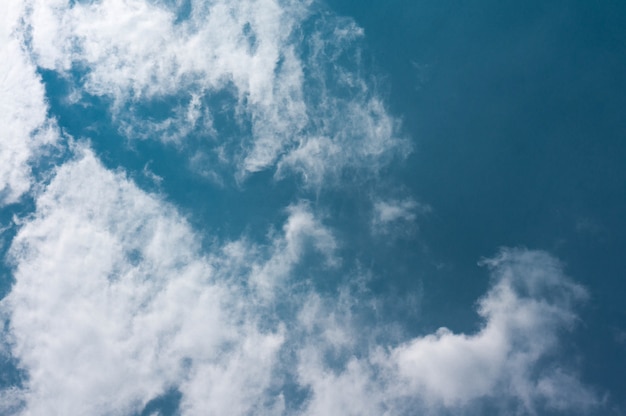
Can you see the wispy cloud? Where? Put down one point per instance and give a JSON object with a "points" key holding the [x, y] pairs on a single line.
{"points": [[396, 216], [292, 103], [301, 231]]}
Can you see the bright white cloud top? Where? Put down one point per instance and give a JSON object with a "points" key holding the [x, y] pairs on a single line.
{"points": [[138, 52], [26, 131], [118, 300]]}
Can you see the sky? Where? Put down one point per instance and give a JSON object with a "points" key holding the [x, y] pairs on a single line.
{"points": [[303, 207]]}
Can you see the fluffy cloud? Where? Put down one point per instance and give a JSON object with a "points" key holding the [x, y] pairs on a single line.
{"points": [[508, 360], [529, 303], [239, 72], [114, 304], [302, 229], [26, 131]]}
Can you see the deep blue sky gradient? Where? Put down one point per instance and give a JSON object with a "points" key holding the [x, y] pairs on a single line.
{"points": [[518, 112]]}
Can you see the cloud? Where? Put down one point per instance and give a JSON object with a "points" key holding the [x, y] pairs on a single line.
{"points": [[117, 303], [114, 303], [26, 130], [240, 74], [529, 303], [301, 230], [11, 401], [396, 216], [511, 360]]}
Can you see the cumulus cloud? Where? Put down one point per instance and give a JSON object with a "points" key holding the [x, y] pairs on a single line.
{"points": [[26, 130], [116, 301], [114, 304], [239, 72], [529, 303], [508, 360]]}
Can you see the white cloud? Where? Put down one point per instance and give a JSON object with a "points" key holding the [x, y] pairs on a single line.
{"points": [[11, 401], [356, 391], [396, 216], [510, 360], [135, 51], [302, 229], [305, 111], [25, 131], [115, 303]]}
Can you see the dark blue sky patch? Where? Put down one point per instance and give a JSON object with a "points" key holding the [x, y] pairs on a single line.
{"points": [[519, 129], [166, 404]]}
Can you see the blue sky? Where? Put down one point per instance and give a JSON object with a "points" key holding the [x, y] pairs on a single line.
{"points": [[312, 208]]}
